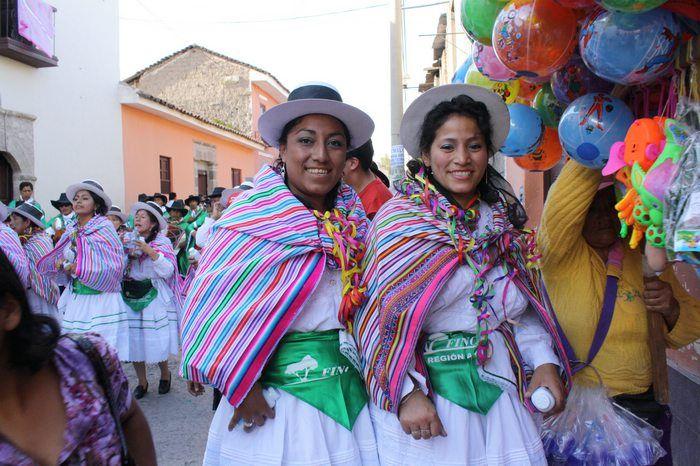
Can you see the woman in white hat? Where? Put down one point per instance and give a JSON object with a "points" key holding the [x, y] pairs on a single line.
{"points": [[119, 219], [42, 292], [89, 260], [151, 289], [456, 302], [267, 316], [11, 246]]}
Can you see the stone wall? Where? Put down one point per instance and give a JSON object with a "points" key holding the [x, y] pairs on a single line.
{"points": [[17, 142], [204, 84]]}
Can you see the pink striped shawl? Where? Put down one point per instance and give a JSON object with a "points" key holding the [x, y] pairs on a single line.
{"points": [[10, 245], [162, 245], [409, 257], [265, 258], [37, 246], [99, 254]]}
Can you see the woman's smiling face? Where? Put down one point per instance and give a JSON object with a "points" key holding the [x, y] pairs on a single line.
{"points": [[314, 156]]}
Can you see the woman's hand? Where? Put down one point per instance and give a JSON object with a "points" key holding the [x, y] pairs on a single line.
{"points": [[254, 410], [419, 418], [195, 388], [658, 297], [147, 249], [547, 375], [70, 269]]}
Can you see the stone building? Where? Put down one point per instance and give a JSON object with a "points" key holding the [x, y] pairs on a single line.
{"points": [[190, 123]]}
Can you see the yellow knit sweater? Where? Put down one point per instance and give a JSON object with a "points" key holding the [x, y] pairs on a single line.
{"points": [[575, 278]]}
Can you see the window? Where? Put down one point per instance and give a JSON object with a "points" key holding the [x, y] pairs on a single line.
{"points": [[166, 181], [235, 176]]}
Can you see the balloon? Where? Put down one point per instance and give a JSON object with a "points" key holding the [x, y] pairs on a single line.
{"points": [[528, 91], [575, 80], [507, 90], [591, 125], [478, 17], [544, 157], [488, 64], [576, 3], [534, 38], [627, 48], [548, 106], [526, 130], [631, 6], [461, 73]]}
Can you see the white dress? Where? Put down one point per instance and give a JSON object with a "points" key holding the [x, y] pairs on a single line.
{"points": [[153, 332], [299, 434], [507, 434]]}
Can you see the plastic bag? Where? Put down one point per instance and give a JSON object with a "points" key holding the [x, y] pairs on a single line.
{"points": [[592, 430]]}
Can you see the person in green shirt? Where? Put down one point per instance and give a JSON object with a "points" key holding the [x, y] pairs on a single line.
{"points": [[178, 213], [57, 224], [26, 194], [195, 217]]}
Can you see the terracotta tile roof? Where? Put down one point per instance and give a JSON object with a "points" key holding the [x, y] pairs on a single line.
{"points": [[199, 117], [138, 74]]}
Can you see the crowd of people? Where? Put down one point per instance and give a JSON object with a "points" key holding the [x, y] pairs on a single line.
{"points": [[339, 323]]}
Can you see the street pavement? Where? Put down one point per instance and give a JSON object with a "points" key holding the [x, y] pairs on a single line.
{"points": [[179, 422]]}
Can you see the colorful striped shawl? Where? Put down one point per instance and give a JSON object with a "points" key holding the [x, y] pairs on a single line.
{"points": [[410, 256], [10, 245], [265, 258], [162, 245], [36, 247], [99, 254]]}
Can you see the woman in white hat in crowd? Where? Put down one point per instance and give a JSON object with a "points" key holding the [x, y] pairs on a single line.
{"points": [[119, 219], [42, 292], [89, 260], [151, 289], [453, 279], [267, 316], [11, 246]]}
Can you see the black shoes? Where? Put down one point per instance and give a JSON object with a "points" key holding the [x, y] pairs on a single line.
{"points": [[140, 391], [164, 385]]}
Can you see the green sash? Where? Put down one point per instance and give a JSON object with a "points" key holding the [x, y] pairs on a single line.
{"points": [[80, 288], [138, 294], [451, 361], [311, 367]]}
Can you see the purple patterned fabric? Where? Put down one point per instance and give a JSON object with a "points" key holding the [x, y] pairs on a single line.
{"points": [[90, 436]]}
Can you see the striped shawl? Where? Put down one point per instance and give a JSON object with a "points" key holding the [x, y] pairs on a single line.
{"points": [[37, 246], [265, 258], [99, 254], [410, 256], [10, 245]]}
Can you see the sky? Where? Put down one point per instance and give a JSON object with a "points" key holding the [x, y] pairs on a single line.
{"points": [[297, 41]]}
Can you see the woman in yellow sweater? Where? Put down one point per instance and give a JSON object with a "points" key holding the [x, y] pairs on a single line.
{"points": [[579, 228]]}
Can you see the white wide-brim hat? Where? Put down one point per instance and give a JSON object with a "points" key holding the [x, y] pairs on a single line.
{"points": [[117, 212], [88, 185], [310, 99], [31, 213], [415, 114], [153, 208]]}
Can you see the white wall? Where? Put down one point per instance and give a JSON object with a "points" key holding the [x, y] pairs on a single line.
{"points": [[77, 133]]}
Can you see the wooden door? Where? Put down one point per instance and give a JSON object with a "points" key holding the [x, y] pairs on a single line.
{"points": [[5, 180], [202, 182]]}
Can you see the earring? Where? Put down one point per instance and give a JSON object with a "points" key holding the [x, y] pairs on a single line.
{"points": [[283, 170]]}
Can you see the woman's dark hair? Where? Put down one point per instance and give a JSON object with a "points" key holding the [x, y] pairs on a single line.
{"points": [[492, 187], [154, 229], [100, 207], [31, 344], [329, 201]]}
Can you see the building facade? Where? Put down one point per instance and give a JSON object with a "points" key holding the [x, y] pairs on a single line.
{"points": [[60, 119], [190, 123]]}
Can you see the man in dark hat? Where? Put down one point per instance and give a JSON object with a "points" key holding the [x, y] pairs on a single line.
{"points": [[197, 213], [57, 225], [366, 179], [161, 200], [177, 213]]}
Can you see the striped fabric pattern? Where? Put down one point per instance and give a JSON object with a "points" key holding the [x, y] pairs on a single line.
{"points": [[162, 245], [36, 247], [410, 256], [99, 254], [10, 245], [266, 255]]}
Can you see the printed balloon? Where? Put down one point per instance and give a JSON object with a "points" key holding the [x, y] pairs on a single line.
{"points": [[628, 48], [534, 38], [575, 80], [478, 17], [631, 6], [548, 106], [507, 90], [461, 73], [544, 157], [526, 131], [590, 126], [576, 3], [528, 91], [488, 64]]}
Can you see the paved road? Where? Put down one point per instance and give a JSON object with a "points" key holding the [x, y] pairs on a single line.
{"points": [[179, 421]]}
